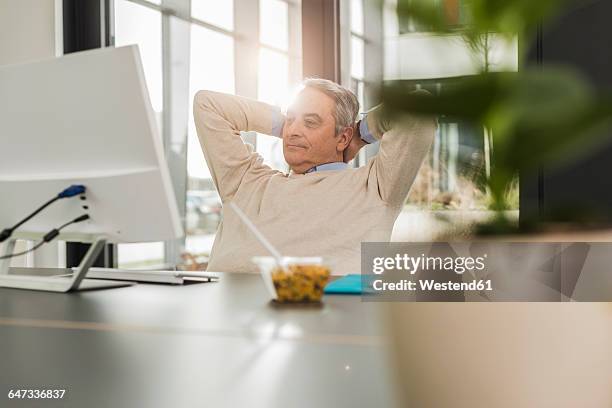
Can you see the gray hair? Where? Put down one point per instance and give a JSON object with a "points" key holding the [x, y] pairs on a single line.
{"points": [[347, 105]]}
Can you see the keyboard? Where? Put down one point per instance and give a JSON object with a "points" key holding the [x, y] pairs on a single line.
{"points": [[55, 283], [148, 276]]}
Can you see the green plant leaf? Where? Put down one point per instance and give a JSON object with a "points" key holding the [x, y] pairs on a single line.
{"points": [[482, 16], [537, 117]]}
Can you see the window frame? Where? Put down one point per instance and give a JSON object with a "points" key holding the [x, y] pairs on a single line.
{"points": [[174, 14], [372, 39]]}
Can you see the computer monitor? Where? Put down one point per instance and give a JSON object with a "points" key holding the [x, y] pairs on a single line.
{"points": [[84, 118]]}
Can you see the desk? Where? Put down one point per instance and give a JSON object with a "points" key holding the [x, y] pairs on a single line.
{"points": [[199, 345]]}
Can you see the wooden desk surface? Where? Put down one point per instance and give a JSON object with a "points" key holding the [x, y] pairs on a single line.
{"points": [[207, 344]]}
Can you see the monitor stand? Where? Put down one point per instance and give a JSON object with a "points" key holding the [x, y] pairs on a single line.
{"points": [[61, 283]]}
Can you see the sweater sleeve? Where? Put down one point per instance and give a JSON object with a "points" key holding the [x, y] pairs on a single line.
{"points": [[219, 119], [404, 143]]}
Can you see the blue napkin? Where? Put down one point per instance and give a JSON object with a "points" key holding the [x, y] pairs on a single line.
{"points": [[348, 284]]}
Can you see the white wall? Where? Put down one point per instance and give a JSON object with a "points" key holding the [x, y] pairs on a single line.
{"points": [[27, 30]]}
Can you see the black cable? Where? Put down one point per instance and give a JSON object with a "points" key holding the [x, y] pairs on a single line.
{"points": [[49, 236], [7, 232], [34, 248], [66, 193]]}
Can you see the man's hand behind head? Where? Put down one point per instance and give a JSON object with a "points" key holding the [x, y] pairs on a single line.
{"points": [[356, 144]]}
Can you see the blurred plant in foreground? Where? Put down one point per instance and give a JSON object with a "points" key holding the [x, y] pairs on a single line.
{"points": [[537, 115]]}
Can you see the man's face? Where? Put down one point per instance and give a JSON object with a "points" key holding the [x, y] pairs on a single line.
{"points": [[309, 137]]}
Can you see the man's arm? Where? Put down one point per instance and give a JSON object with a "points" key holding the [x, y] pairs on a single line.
{"points": [[403, 146], [219, 119]]}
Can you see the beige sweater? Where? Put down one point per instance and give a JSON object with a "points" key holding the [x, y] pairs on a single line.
{"points": [[327, 213]]}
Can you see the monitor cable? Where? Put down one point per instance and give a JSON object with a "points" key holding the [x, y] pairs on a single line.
{"points": [[67, 193], [49, 236]]}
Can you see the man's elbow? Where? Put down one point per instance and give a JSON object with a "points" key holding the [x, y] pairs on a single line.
{"points": [[420, 127], [203, 99]]}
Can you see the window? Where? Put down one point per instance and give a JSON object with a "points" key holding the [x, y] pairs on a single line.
{"points": [[356, 69], [357, 58], [357, 17], [357, 45], [274, 24], [273, 88], [135, 24], [216, 37], [274, 85], [140, 25], [206, 74], [452, 12], [219, 13], [212, 68], [452, 177]]}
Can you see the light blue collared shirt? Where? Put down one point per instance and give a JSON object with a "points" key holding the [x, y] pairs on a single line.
{"points": [[328, 166], [364, 132]]}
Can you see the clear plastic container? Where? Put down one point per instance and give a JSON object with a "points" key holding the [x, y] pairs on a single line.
{"points": [[301, 280]]}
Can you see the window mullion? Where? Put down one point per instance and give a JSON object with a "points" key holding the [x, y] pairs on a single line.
{"points": [[246, 51], [373, 60], [295, 42], [176, 48]]}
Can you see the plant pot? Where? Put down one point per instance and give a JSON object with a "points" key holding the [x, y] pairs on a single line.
{"points": [[502, 354]]}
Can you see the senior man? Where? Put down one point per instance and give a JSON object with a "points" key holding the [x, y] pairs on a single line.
{"points": [[322, 207]]}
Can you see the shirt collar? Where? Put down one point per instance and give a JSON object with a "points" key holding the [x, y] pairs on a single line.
{"points": [[328, 166]]}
